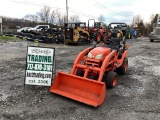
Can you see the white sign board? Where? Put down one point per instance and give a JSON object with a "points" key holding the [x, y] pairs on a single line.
{"points": [[39, 66], [0, 20]]}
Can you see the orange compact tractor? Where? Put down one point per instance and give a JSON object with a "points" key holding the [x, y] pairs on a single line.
{"points": [[94, 70], [96, 30]]}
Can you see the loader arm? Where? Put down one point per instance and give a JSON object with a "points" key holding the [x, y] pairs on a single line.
{"points": [[79, 58]]}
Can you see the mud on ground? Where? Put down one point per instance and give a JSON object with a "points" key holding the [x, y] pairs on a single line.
{"points": [[136, 96]]}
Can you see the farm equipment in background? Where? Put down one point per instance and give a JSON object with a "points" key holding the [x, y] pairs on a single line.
{"points": [[124, 29], [133, 32], [112, 32], [94, 70], [138, 32], [76, 33], [116, 32], [96, 31], [54, 35]]}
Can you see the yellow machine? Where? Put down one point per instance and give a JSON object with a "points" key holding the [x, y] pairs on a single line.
{"points": [[76, 33], [116, 32]]}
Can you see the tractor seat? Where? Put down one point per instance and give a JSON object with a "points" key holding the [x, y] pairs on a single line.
{"points": [[115, 45], [116, 41]]}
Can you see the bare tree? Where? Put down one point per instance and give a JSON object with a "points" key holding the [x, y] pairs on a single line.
{"points": [[152, 16], [65, 18], [44, 14], [74, 18], [52, 17], [61, 18], [31, 17], [47, 16], [149, 28], [137, 19]]}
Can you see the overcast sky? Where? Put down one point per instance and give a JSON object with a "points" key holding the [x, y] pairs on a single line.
{"points": [[112, 10]]}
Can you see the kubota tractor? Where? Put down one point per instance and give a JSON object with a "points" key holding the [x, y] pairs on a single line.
{"points": [[94, 70], [76, 33], [96, 31]]}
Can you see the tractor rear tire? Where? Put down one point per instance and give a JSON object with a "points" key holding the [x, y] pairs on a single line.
{"points": [[110, 79], [123, 68]]}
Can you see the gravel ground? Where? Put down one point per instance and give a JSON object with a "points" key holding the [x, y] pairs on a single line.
{"points": [[136, 96]]}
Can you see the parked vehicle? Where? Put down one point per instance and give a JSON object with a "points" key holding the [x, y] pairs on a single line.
{"points": [[155, 35], [39, 28], [24, 29]]}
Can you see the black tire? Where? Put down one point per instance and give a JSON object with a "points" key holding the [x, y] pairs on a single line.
{"points": [[131, 36], [79, 42], [151, 40], [123, 68], [80, 73], [110, 79]]}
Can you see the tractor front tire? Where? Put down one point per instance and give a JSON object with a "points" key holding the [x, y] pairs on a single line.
{"points": [[79, 42], [151, 40], [123, 68], [110, 79]]}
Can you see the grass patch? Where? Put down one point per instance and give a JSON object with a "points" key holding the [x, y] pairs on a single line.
{"points": [[4, 38]]}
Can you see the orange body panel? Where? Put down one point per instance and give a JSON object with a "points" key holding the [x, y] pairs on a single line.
{"points": [[83, 90], [120, 61]]}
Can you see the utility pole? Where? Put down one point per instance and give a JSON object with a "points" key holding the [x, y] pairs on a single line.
{"points": [[67, 9]]}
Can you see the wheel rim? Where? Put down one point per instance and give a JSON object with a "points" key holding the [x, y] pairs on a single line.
{"points": [[126, 66], [115, 81], [98, 37]]}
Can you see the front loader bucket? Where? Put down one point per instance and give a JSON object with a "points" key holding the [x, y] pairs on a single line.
{"points": [[81, 89]]}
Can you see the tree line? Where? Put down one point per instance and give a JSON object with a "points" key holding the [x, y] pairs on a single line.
{"points": [[46, 15], [144, 28], [56, 18]]}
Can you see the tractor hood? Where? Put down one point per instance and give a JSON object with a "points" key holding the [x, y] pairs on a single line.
{"points": [[99, 53]]}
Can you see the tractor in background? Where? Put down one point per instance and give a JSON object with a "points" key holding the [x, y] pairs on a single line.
{"points": [[96, 30], [76, 33]]}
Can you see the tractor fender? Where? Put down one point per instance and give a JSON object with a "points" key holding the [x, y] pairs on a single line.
{"points": [[124, 55], [105, 63]]}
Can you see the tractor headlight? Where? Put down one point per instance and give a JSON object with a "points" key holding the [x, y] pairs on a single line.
{"points": [[89, 55], [99, 56]]}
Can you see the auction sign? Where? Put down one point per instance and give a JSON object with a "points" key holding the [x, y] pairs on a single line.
{"points": [[39, 66]]}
